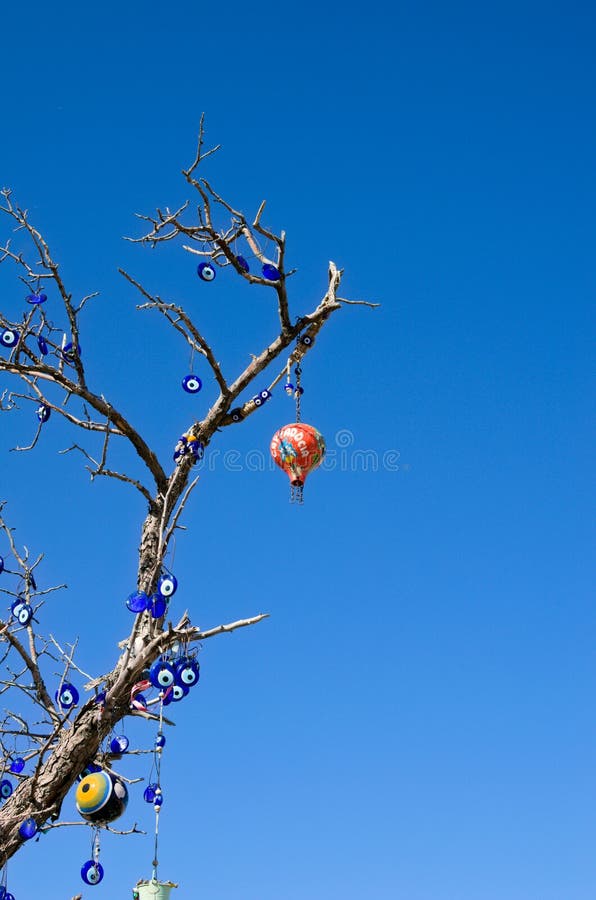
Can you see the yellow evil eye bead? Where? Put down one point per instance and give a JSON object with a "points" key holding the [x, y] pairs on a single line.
{"points": [[93, 792], [205, 271]]}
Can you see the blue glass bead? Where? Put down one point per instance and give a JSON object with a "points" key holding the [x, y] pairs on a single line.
{"points": [[206, 271], [42, 344], [149, 794], [179, 692], [160, 741], [43, 413], [167, 585], [139, 702], [9, 337], [242, 264], [299, 391], [67, 696], [192, 384], [89, 769], [17, 765], [167, 696], [158, 606], [187, 671], [1, 564], [161, 674], [70, 352], [9, 896], [22, 611], [28, 829], [289, 387], [36, 299], [2, 892], [158, 801], [306, 340], [271, 273], [119, 744], [92, 872], [6, 788], [137, 602], [100, 699]]}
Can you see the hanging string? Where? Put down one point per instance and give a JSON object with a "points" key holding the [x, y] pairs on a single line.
{"points": [[159, 796], [298, 392]]}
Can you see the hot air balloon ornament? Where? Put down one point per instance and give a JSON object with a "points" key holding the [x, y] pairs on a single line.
{"points": [[297, 448]]}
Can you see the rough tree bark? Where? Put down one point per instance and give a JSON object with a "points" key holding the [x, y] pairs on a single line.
{"points": [[64, 743]]}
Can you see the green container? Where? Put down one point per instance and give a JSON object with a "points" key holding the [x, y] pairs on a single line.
{"points": [[153, 890]]}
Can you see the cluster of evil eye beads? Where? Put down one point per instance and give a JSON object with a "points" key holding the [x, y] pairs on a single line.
{"points": [[157, 603], [207, 272]]}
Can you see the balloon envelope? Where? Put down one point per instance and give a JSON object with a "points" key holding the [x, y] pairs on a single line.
{"points": [[297, 449]]}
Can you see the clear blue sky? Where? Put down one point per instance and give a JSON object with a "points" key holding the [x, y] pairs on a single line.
{"points": [[416, 718]]}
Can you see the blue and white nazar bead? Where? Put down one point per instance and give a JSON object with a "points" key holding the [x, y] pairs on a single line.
{"points": [[43, 413], [36, 299], [187, 671], [206, 271], [162, 674], [167, 585], [9, 337], [92, 872], [261, 397], [67, 696], [192, 384], [22, 611]]}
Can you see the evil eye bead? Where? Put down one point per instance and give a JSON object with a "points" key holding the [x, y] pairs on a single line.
{"points": [[67, 696], [139, 702], [167, 585], [137, 602], [9, 896], [100, 700], [158, 802], [179, 692], [236, 414], [70, 352], [101, 797], [306, 340], [6, 788], [158, 606], [43, 346], [150, 793], [28, 829], [289, 388], [271, 273], [92, 872], [161, 674], [205, 271], [36, 299], [160, 741], [2, 892], [187, 672], [257, 400], [265, 395], [17, 765], [43, 413], [192, 384], [119, 744], [22, 611], [242, 264], [166, 695], [9, 337]]}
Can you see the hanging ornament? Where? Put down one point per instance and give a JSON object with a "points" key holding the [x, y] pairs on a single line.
{"points": [[167, 585], [22, 611], [67, 696], [242, 264], [137, 602], [6, 789], [205, 271], [192, 384], [28, 829], [17, 765], [119, 744], [92, 870], [9, 337], [69, 352], [158, 606], [101, 797], [42, 344], [161, 673], [43, 413], [271, 273], [297, 448], [36, 299], [1, 564], [187, 671]]}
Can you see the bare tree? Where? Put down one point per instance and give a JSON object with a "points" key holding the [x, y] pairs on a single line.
{"points": [[48, 367]]}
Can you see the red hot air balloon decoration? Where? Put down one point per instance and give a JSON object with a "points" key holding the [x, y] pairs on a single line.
{"points": [[297, 448]]}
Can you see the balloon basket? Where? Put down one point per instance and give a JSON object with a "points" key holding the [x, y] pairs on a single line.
{"points": [[153, 890]]}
